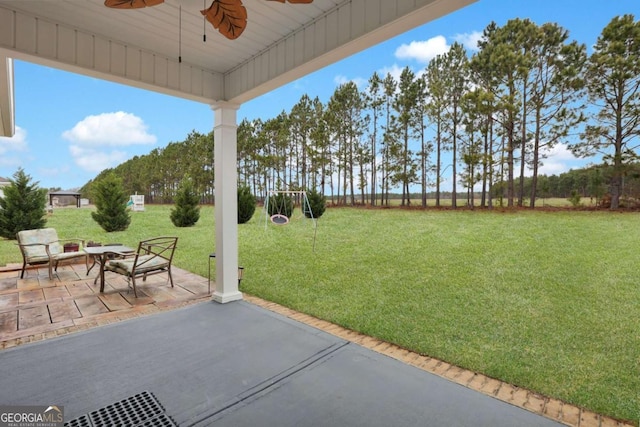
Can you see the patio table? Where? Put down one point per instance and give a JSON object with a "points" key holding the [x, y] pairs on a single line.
{"points": [[101, 254]]}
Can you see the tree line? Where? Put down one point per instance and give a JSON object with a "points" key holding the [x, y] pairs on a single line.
{"points": [[477, 120], [586, 183], [159, 174]]}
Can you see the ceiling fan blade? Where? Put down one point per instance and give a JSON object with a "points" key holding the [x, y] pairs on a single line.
{"points": [[229, 17], [131, 4]]}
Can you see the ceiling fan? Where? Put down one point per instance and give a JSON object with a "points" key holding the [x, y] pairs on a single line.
{"points": [[229, 17]]}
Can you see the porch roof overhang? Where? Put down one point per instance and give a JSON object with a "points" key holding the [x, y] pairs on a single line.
{"points": [[161, 48]]}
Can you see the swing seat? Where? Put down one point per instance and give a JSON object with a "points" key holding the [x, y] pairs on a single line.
{"points": [[279, 219]]}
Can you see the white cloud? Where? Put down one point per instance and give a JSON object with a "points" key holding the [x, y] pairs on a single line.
{"points": [[550, 167], [93, 136], [469, 40], [18, 142], [559, 159], [423, 51], [395, 70], [110, 129], [12, 150], [341, 79], [93, 160], [559, 152]]}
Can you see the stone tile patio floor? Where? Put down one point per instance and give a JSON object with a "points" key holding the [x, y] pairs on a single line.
{"points": [[35, 308]]}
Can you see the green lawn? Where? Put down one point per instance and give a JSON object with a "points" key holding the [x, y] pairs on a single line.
{"points": [[549, 301]]}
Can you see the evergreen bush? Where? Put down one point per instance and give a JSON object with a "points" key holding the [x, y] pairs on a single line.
{"points": [[246, 204], [282, 204], [575, 199], [22, 207], [318, 204], [111, 204], [187, 211]]}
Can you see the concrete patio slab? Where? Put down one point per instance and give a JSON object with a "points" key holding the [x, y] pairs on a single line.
{"points": [[241, 365]]}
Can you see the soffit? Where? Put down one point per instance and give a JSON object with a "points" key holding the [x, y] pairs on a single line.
{"points": [[161, 48]]}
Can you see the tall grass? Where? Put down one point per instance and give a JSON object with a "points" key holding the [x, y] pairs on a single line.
{"points": [[546, 301]]}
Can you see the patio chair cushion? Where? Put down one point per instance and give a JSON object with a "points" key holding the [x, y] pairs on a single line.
{"points": [[34, 245], [38, 239], [153, 256], [145, 264]]}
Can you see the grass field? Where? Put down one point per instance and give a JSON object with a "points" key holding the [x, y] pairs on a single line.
{"points": [[548, 301]]}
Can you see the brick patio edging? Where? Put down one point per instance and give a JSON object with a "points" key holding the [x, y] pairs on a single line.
{"points": [[554, 409]]}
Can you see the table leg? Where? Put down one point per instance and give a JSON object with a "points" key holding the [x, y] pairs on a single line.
{"points": [[102, 261]]}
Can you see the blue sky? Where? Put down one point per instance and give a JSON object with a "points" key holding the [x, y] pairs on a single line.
{"points": [[70, 127]]}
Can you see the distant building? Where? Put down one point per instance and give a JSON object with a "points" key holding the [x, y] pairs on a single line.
{"points": [[64, 198]]}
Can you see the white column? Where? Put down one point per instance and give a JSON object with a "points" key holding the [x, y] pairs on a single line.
{"points": [[226, 202]]}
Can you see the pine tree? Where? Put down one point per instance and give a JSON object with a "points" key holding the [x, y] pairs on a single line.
{"points": [[374, 101], [405, 103], [456, 77], [435, 111], [613, 84], [187, 211], [22, 207], [246, 204], [111, 204], [317, 203]]}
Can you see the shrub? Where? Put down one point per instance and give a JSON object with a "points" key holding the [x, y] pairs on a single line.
{"points": [[317, 203], [575, 199], [111, 204], [22, 207], [187, 211], [246, 204], [282, 204]]}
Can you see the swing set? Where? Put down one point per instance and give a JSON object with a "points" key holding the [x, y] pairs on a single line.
{"points": [[280, 216]]}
